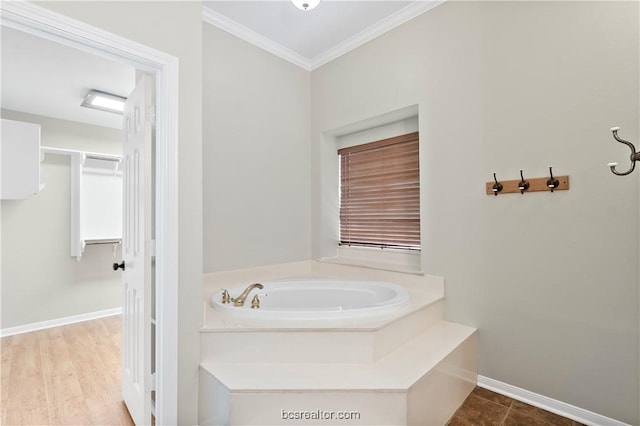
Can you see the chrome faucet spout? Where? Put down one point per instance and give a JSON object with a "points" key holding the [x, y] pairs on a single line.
{"points": [[239, 301]]}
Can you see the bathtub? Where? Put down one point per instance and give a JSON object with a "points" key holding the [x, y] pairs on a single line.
{"points": [[316, 299]]}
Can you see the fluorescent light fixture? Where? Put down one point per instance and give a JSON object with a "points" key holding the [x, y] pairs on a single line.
{"points": [[104, 101]]}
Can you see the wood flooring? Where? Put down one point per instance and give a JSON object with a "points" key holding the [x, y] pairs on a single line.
{"points": [[66, 375]]}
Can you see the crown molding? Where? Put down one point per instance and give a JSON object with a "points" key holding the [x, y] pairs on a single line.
{"points": [[229, 25], [405, 14]]}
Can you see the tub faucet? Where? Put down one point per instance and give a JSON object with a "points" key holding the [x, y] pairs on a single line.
{"points": [[239, 301]]}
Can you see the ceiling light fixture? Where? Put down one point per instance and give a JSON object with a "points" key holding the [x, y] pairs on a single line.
{"points": [[104, 101], [305, 4]]}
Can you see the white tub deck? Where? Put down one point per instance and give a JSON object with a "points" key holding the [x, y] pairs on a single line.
{"points": [[406, 367]]}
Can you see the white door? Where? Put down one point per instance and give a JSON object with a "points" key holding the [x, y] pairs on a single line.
{"points": [[137, 246]]}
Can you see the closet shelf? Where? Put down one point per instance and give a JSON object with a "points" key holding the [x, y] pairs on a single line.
{"points": [[84, 154], [96, 198]]}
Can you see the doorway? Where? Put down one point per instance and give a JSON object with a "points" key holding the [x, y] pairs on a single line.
{"points": [[38, 21]]}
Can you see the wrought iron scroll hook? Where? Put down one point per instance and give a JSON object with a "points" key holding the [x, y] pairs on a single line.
{"points": [[635, 156]]}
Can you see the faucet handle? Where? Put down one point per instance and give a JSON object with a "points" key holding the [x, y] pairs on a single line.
{"points": [[255, 302], [225, 296]]}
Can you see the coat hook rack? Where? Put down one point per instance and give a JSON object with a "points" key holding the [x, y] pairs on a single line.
{"points": [[635, 156], [548, 183]]}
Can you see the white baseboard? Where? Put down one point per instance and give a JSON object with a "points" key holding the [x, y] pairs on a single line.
{"points": [[58, 322], [558, 407]]}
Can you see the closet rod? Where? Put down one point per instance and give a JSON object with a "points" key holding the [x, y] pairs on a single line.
{"points": [[102, 157], [103, 241]]}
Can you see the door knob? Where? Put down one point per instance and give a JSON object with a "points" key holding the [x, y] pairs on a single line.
{"points": [[120, 266]]}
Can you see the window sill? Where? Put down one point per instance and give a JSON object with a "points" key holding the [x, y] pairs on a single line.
{"points": [[404, 261]]}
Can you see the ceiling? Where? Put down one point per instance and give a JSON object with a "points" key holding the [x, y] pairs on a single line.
{"points": [[46, 78], [50, 79], [311, 38]]}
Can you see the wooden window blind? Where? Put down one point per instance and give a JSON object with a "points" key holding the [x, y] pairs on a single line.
{"points": [[380, 193]]}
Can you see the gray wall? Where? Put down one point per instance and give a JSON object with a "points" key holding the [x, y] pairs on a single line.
{"points": [[500, 86], [174, 28], [40, 279], [550, 280], [256, 152]]}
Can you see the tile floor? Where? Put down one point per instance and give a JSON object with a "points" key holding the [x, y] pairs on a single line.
{"points": [[486, 408]]}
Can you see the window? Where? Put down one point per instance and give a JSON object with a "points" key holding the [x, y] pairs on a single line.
{"points": [[380, 193]]}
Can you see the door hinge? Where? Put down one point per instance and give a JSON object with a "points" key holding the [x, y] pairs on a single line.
{"points": [[151, 247], [152, 381], [150, 114]]}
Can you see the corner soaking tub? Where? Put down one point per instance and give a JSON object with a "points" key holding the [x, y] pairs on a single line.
{"points": [[316, 299]]}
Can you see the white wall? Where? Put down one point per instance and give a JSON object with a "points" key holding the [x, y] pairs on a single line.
{"points": [[256, 156], [550, 280], [40, 279], [174, 28]]}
